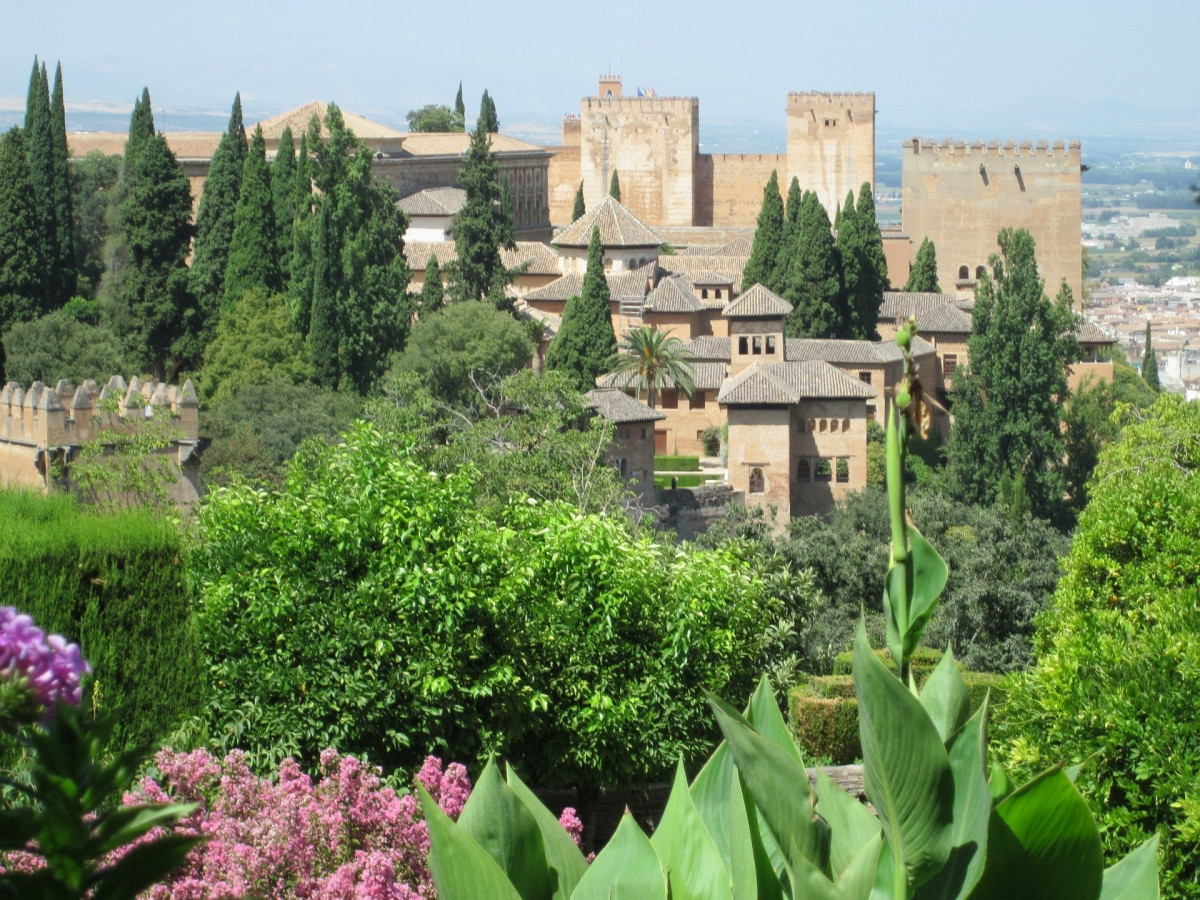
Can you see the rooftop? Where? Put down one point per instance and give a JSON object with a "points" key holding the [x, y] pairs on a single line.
{"points": [[785, 383], [619, 407], [438, 201], [758, 303], [618, 228]]}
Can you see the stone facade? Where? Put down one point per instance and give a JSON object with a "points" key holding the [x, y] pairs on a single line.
{"points": [[831, 144]]}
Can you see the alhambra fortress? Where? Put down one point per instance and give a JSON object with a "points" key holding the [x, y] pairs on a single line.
{"points": [[674, 251]]}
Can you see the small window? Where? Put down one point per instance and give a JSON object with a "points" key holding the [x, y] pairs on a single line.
{"points": [[833, 425], [703, 293], [950, 363], [963, 273], [757, 345], [978, 272], [824, 470], [870, 412], [670, 399], [717, 293], [812, 425], [804, 470], [845, 424], [864, 377], [770, 344], [696, 401], [743, 345], [824, 425], [757, 481], [699, 434], [643, 432], [843, 470]]}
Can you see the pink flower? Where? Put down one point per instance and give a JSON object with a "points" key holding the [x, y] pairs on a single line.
{"points": [[571, 822], [49, 668]]}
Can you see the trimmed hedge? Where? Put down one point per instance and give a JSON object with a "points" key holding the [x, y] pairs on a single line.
{"points": [[114, 583], [924, 660], [677, 464]]}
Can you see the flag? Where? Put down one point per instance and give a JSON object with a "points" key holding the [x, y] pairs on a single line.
{"points": [[641, 92]]}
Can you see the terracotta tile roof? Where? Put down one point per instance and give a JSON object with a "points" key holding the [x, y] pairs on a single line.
{"points": [[850, 352], [438, 201], [757, 303], [757, 385], [934, 312], [442, 143], [706, 376], [542, 260], [786, 383], [728, 266], [299, 117], [619, 407], [673, 294], [560, 289], [418, 252], [711, 278], [1088, 332], [618, 228], [708, 347], [632, 283]]}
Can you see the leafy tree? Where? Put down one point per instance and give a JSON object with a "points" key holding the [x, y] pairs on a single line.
{"points": [[256, 343], [768, 237], [215, 220], [586, 342], [460, 108], [462, 346], [93, 180], [1088, 425], [579, 209], [1111, 688], [116, 251], [653, 358], [283, 192], [60, 346], [1150, 364], [22, 269], [479, 230], [1128, 386], [159, 314], [64, 214], [614, 187], [1006, 399], [434, 117], [433, 294], [487, 115], [814, 283], [254, 253], [39, 138], [924, 278]]}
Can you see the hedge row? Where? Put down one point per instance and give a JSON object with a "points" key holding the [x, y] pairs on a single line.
{"points": [[677, 464], [114, 583]]}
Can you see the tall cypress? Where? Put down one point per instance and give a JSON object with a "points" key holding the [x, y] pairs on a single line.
{"points": [[283, 188], [586, 342], [479, 230], [487, 114], [814, 282], [433, 294], [323, 329], [21, 267], [64, 214], [787, 244], [39, 137], [301, 272], [460, 108], [848, 247], [1150, 363], [768, 237], [141, 127], [214, 220], [579, 210], [254, 254], [508, 231], [614, 187], [924, 277]]}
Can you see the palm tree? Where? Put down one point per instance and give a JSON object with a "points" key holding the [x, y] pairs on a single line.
{"points": [[653, 358]]}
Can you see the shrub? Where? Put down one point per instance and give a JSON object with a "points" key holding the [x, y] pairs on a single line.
{"points": [[924, 660], [677, 464], [827, 727], [114, 584]]}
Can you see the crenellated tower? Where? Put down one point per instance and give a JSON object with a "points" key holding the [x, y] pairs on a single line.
{"points": [[830, 144]]}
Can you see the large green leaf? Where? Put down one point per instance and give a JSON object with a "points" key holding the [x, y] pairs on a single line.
{"points": [[755, 877], [972, 812], [999, 784], [906, 771], [764, 716], [857, 881], [851, 824], [778, 784], [461, 869], [1135, 877], [711, 791], [1042, 844], [695, 870], [627, 869], [945, 698], [926, 579], [502, 825], [566, 862], [809, 882]]}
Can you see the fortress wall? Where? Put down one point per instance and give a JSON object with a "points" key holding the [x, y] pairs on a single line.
{"points": [[960, 196], [899, 251], [729, 186], [563, 179], [652, 142], [831, 144]]}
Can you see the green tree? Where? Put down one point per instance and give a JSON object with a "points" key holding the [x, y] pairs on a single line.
{"points": [[848, 247], [214, 220], [93, 180], [1088, 426], [434, 117], [254, 252], [1006, 399], [39, 139], [141, 127], [64, 214], [116, 251], [22, 269], [654, 359], [1150, 363], [768, 237], [614, 187], [479, 230], [300, 273], [788, 242], [159, 317], [814, 283], [924, 277], [433, 294], [586, 342], [579, 209], [59, 346], [487, 115], [283, 192], [460, 108], [875, 268], [323, 325]]}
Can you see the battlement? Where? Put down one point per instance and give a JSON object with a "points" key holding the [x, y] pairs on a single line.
{"points": [[64, 415], [688, 105], [803, 101], [995, 149]]}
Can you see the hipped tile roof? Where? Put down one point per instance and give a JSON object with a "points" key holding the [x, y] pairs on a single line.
{"points": [[782, 384], [618, 228], [438, 201], [757, 303], [619, 407]]}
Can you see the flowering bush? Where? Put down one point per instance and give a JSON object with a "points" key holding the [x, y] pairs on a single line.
{"points": [[36, 671]]}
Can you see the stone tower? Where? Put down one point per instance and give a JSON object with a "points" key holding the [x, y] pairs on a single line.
{"points": [[830, 144]]}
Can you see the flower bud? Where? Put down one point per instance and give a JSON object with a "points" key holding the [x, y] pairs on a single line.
{"points": [[903, 400], [903, 338]]}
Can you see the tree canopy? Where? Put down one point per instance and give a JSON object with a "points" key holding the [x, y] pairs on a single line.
{"points": [[58, 345], [814, 281], [22, 270], [579, 209], [1150, 363], [254, 251], [586, 342], [480, 229], [924, 277], [653, 359], [768, 237], [614, 187], [434, 117]]}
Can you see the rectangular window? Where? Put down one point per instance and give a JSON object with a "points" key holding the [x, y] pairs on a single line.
{"points": [[843, 470], [743, 346], [870, 412], [770, 344], [950, 363], [824, 470], [697, 401], [757, 345], [864, 377], [670, 399]]}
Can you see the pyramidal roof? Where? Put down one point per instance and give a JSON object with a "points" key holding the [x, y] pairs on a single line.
{"points": [[618, 228], [299, 118], [757, 303]]}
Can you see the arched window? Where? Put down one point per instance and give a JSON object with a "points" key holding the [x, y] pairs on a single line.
{"points": [[703, 293], [963, 273], [757, 481], [979, 272], [833, 424], [843, 470], [804, 470], [845, 424]]}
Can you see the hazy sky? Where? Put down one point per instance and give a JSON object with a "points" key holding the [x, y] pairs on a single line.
{"points": [[946, 69]]}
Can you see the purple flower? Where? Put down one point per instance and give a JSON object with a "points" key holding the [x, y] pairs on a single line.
{"points": [[48, 668]]}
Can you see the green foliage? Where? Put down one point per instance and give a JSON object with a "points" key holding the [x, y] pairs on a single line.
{"points": [[60, 346], [924, 278], [300, 271], [22, 267], [433, 293], [488, 123], [283, 198], [768, 237], [93, 184], [64, 214], [1006, 412], [677, 463], [39, 137], [813, 280], [827, 727], [579, 209], [614, 187], [653, 359], [459, 107], [1112, 687], [586, 342], [256, 343], [577, 649], [434, 117], [114, 584], [1150, 364], [480, 228], [463, 347], [859, 247], [254, 251]]}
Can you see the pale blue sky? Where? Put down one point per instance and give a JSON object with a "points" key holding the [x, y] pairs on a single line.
{"points": [[964, 70]]}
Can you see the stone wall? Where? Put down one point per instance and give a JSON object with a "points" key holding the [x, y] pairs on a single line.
{"points": [[729, 186], [899, 252], [760, 441], [564, 177], [828, 430], [632, 452], [831, 144], [960, 195], [689, 511], [684, 424]]}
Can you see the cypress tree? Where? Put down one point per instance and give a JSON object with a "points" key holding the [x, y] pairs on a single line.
{"points": [[254, 254], [460, 107], [214, 220], [848, 248], [301, 272], [864, 269], [322, 334], [814, 282], [21, 267], [487, 114], [873, 237], [768, 237], [586, 342], [787, 244], [479, 230], [64, 214], [283, 187], [614, 187], [578, 211], [1150, 363], [39, 138], [924, 278], [141, 127], [433, 295]]}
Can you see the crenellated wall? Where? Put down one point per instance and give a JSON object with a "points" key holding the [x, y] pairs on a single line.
{"points": [[729, 186], [830, 144]]}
